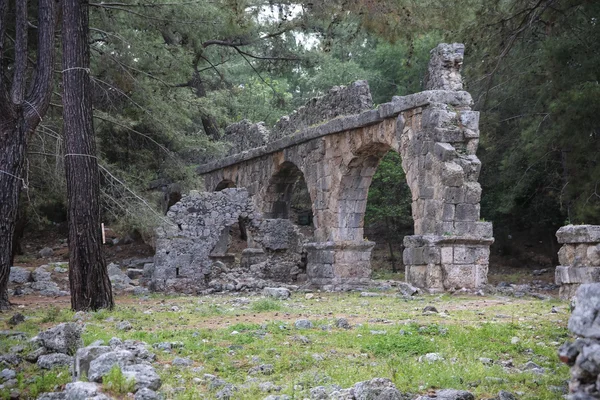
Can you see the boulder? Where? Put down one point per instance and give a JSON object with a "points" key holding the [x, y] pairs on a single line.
{"points": [[584, 321], [449, 394], [144, 376], [146, 394], [46, 252], [64, 338], [278, 293], [40, 274], [376, 388], [85, 356], [303, 324], [19, 275], [84, 390], [104, 363]]}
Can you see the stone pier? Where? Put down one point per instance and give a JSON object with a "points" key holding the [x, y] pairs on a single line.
{"points": [[579, 258]]}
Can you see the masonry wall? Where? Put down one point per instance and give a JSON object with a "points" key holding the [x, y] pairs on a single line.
{"points": [[579, 258]]}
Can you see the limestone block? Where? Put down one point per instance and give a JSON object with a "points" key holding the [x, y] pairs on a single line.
{"points": [[471, 228], [467, 212], [593, 255], [444, 151], [448, 212], [460, 276], [444, 67], [416, 275], [472, 145], [469, 120], [426, 192], [473, 192], [454, 195], [447, 255], [566, 254], [452, 174], [319, 270], [569, 274], [471, 255], [438, 117], [579, 234], [352, 270], [471, 167], [448, 135]]}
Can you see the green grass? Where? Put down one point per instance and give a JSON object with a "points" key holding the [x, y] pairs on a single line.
{"points": [[227, 338]]}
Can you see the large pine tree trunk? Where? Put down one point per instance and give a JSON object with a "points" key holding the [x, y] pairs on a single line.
{"points": [[22, 105], [88, 278], [12, 143]]}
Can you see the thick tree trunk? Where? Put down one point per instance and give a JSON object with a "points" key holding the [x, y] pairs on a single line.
{"points": [[21, 110], [88, 278], [12, 143]]}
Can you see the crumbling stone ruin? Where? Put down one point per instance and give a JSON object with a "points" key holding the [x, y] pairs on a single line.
{"points": [[579, 258], [583, 354], [335, 143]]}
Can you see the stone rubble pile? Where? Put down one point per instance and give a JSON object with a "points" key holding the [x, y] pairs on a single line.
{"points": [[62, 346], [583, 355], [52, 280]]}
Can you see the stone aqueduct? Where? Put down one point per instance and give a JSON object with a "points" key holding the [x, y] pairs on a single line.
{"points": [[336, 143]]}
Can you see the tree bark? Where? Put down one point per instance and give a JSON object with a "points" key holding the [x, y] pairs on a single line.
{"points": [[20, 113], [88, 277]]}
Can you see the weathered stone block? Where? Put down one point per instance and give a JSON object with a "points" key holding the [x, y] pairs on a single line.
{"points": [[461, 276], [444, 151], [579, 234], [454, 195], [448, 213], [471, 255], [569, 274], [449, 134], [452, 174], [467, 212], [473, 193], [566, 254], [447, 255]]}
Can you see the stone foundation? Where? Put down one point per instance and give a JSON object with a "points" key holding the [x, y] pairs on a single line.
{"points": [[439, 263], [579, 258], [339, 265]]}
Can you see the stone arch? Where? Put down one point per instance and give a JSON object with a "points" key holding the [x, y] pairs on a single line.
{"points": [[278, 195], [354, 188], [224, 184]]}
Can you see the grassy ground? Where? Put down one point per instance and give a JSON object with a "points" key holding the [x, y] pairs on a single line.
{"points": [[228, 335]]}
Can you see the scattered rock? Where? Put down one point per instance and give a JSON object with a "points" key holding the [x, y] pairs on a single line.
{"points": [[7, 374], [376, 388], [84, 356], [449, 394], [278, 293], [264, 369], [16, 319], [430, 310], [303, 324], [40, 274], [184, 362], [146, 394], [406, 289], [124, 326], [343, 323], [19, 275], [64, 338], [103, 364], [144, 376], [45, 252], [431, 357], [54, 360]]}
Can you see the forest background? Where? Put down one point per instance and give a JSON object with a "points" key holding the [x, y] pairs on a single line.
{"points": [[170, 75]]}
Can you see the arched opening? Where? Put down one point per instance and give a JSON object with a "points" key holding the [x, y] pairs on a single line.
{"points": [[224, 184], [233, 239], [388, 216], [287, 197]]}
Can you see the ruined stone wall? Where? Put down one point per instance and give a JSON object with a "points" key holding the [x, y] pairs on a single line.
{"points": [[579, 258], [184, 244], [339, 101]]}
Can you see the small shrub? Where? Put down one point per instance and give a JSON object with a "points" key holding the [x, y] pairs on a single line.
{"points": [[263, 305], [116, 383], [51, 315]]}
